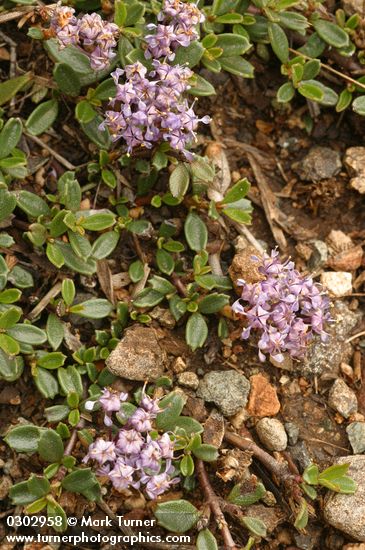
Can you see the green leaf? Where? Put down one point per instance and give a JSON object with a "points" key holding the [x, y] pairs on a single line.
{"points": [[56, 413], [201, 87], [120, 12], [344, 484], [256, 526], [7, 204], [358, 105], [213, 303], [68, 291], [98, 222], [104, 245], [28, 334], [70, 380], [301, 520], [50, 446], [148, 298], [21, 495], [124, 48], [177, 516], [206, 452], [101, 138], [177, 307], [79, 480], [36, 506], [70, 195], [10, 295], [9, 345], [239, 213], [196, 232], [232, 45], [24, 439], [46, 383], [344, 101], [106, 90], [206, 541], [55, 511], [210, 281], [84, 111], [163, 286], [74, 262], [11, 87], [334, 472], [246, 499], [196, 331], [135, 12], [52, 360], [97, 308], [179, 180], [237, 192], [329, 96], [293, 21], [54, 255], [136, 271], [285, 93], [10, 136], [310, 474], [237, 65], [187, 466], [189, 56], [331, 33], [55, 331], [32, 204], [311, 69], [11, 368], [190, 425], [279, 42], [10, 317], [311, 90], [42, 118], [67, 79], [229, 19], [171, 406], [165, 261]]}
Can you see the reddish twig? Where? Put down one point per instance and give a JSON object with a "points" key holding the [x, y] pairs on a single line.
{"points": [[213, 502]]}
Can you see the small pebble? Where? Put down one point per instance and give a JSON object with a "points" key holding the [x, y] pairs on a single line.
{"points": [[188, 379], [342, 398], [272, 434], [338, 283], [356, 435], [293, 432]]}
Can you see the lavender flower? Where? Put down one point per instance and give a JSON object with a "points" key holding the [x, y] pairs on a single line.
{"points": [[177, 26], [287, 308], [90, 33], [102, 451], [149, 107], [134, 458]]}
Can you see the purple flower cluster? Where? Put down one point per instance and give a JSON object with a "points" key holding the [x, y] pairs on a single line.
{"points": [[287, 308], [94, 36], [177, 27], [149, 107], [137, 457]]}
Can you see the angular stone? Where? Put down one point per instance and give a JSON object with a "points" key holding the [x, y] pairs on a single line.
{"points": [[355, 161], [228, 390], [272, 434], [188, 379], [356, 434], [347, 512], [342, 398], [244, 267], [328, 356], [320, 163], [338, 283], [263, 399], [138, 356], [214, 429]]}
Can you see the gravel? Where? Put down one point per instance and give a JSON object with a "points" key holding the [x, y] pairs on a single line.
{"points": [[272, 434], [228, 390]]}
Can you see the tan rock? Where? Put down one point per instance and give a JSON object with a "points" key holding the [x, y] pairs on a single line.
{"points": [[263, 400], [244, 267], [338, 283], [188, 379], [355, 157], [214, 429], [138, 356]]}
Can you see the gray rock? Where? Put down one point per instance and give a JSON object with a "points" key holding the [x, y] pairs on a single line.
{"points": [[347, 512], [327, 356], [138, 356], [227, 389], [342, 398], [356, 435], [293, 432], [272, 434], [188, 379], [319, 254], [320, 163], [300, 455]]}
